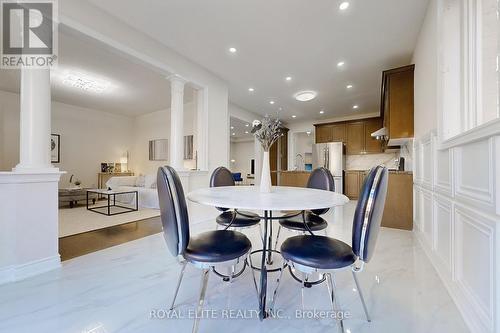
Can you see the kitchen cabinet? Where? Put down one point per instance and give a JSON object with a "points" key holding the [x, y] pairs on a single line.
{"points": [[294, 178], [372, 145], [353, 182], [397, 101], [398, 211], [331, 133], [355, 138], [355, 134]]}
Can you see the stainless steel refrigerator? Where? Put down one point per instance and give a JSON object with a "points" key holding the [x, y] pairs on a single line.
{"points": [[331, 156]]}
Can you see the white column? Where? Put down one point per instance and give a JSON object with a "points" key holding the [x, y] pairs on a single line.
{"points": [[177, 122], [35, 120]]}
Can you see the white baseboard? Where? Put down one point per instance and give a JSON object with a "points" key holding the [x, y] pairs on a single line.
{"points": [[19, 272], [473, 322]]}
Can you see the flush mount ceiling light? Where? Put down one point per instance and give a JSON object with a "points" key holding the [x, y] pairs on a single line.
{"points": [[344, 5], [232, 50], [84, 82], [251, 89], [304, 96]]}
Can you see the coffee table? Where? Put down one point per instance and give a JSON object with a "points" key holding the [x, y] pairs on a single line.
{"points": [[112, 203]]}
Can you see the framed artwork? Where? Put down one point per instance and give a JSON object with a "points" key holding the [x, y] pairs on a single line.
{"points": [[158, 150], [55, 148]]}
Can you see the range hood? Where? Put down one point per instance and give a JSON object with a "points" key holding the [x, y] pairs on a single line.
{"points": [[381, 134]]}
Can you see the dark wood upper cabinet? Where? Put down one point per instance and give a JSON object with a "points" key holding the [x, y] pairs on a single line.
{"points": [[372, 145], [331, 133], [355, 138], [397, 103]]}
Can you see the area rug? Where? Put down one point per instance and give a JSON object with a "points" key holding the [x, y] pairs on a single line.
{"points": [[77, 220]]}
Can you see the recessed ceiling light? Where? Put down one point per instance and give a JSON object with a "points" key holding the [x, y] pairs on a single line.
{"points": [[355, 107], [322, 111], [234, 133], [246, 132], [304, 96], [340, 64], [288, 78], [247, 125], [251, 89], [232, 127], [349, 86], [232, 50], [294, 116], [271, 102], [344, 5]]}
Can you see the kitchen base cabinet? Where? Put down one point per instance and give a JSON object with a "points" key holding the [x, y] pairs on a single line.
{"points": [[398, 211]]}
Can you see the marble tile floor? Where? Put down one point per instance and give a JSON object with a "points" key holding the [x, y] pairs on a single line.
{"points": [[115, 290]]}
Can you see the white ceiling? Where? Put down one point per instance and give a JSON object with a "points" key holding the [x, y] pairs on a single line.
{"points": [[134, 89], [301, 38]]}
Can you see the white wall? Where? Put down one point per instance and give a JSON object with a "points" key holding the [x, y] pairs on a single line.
{"points": [[456, 182], [156, 125], [242, 153], [425, 58], [88, 137]]}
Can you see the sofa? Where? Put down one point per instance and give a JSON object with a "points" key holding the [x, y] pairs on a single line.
{"points": [[144, 185]]}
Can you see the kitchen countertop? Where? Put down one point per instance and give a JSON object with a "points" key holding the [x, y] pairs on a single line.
{"points": [[390, 171]]}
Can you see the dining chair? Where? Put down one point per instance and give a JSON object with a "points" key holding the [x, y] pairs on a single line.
{"points": [[231, 218], [205, 251], [324, 255], [309, 221]]}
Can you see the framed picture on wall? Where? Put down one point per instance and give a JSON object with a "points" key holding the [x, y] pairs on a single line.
{"points": [[55, 148]]}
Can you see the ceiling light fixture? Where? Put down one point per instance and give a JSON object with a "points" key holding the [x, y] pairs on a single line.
{"points": [[294, 116], [304, 96], [246, 132], [251, 89], [344, 5], [232, 50], [288, 78], [234, 133], [340, 64], [232, 127], [247, 125], [349, 86], [355, 107], [322, 111], [271, 102], [85, 82]]}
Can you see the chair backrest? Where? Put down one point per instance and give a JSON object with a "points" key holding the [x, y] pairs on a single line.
{"points": [[321, 179], [173, 210], [369, 211], [221, 177]]}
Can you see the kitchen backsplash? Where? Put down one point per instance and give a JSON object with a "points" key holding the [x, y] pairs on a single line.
{"points": [[365, 162]]}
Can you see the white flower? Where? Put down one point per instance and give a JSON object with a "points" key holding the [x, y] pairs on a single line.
{"points": [[256, 123]]}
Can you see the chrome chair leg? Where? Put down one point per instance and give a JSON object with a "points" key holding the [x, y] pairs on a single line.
{"points": [[181, 275], [333, 298], [304, 280], [278, 281], [201, 301], [253, 276], [277, 237], [361, 296]]}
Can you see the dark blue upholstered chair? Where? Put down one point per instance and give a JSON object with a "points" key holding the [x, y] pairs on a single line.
{"points": [[309, 254], [237, 177], [321, 179], [231, 218], [204, 251]]}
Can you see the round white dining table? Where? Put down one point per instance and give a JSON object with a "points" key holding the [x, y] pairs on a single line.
{"points": [[280, 199]]}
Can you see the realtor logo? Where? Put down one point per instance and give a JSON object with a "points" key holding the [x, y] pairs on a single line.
{"points": [[29, 33]]}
